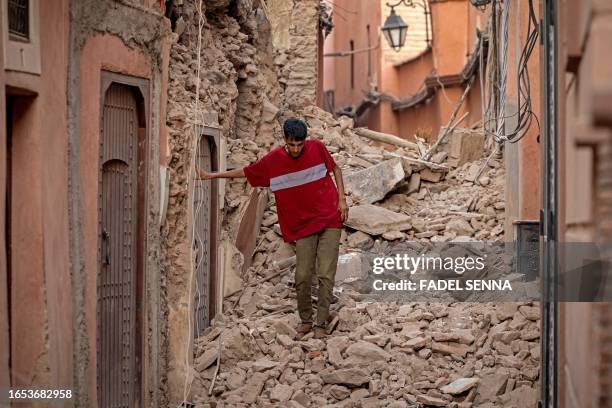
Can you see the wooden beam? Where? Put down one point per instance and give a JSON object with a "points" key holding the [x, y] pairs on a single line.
{"points": [[385, 138]]}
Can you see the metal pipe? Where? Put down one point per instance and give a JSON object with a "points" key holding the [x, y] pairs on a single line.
{"points": [[548, 221]]}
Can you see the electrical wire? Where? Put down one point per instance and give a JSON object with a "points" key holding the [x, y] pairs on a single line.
{"points": [[340, 7], [524, 112], [188, 380]]}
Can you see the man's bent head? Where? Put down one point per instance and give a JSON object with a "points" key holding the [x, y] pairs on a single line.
{"points": [[295, 132]]}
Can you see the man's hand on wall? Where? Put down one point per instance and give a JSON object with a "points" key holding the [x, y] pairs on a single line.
{"points": [[204, 175]]}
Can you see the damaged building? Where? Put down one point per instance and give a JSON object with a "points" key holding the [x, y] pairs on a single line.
{"points": [[131, 283], [83, 84], [108, 107], [235, 68]]}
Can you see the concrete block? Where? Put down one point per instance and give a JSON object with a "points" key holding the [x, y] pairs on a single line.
{"points": [[466, 145]]}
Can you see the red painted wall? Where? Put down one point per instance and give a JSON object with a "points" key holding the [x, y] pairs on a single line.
{"points": [[4, 329], [41, 310], [351, 19], [453, 31]]}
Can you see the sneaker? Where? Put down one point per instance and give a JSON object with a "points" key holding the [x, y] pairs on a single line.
{"points": [[303, 329], [320, 333]]}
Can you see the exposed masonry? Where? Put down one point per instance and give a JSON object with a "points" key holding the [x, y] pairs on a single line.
{"points": [[246, 83], [257, 69]]}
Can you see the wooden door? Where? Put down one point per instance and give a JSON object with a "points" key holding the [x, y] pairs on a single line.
{"points": [[117, 342], [202, 205]]}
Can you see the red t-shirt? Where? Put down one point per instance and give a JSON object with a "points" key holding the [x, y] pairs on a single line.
{"points": [[306, 196]]}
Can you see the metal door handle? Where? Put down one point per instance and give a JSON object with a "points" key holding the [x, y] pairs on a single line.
{"points": [[106, 247], [196, 249]]}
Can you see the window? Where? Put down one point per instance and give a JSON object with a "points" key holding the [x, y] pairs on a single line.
{"points": [[369, 52], [21, 35], [19, 19], [352, 47]]}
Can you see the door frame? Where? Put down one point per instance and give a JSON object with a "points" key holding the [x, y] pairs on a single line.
{"points": [[141, 89], [549, 225], [213, 136]]}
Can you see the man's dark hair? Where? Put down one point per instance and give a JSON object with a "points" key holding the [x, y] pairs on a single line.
{"points": [[295, 129]]}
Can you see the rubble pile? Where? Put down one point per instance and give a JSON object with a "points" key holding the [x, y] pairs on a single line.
{"points": [[378, 353], [442, 201], [390, 197], [256, 67], [222, 79]]}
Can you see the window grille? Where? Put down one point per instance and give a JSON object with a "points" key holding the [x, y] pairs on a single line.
{"points": [[18, 19]]}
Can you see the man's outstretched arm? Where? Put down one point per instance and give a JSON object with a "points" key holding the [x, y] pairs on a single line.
{"points": [[204, 175]]}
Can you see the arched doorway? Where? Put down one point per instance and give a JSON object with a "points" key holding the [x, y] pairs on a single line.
{"points": [[204, 240], [119, 309]]}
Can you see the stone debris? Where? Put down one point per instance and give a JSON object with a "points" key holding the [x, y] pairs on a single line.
{"points": [[206, 359], [378, 353], [360, 240], [381, 354], [459, 386], [466, 145], [491, 386], [431, 401], [375, 220], [352, 265], [364, 352], [374, 183], [348, 376]]}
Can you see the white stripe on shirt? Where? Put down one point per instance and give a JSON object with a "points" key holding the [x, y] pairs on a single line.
{"points": [[298, 178]]}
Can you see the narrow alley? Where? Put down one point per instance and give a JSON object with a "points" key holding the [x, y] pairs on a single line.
{"points": [[147, 251], [379, 353]]}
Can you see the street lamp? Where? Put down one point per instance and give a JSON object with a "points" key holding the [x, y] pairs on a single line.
{"points": [[395, 28], [479, 3]]}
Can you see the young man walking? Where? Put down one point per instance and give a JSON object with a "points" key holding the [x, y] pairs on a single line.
{"points": [[310, 212]]}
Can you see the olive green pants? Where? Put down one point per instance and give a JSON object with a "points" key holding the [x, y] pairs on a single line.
{"points": [[318, 251]]}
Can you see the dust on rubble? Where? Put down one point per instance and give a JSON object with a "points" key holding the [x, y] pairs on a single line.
{"points": [[378, 353]]}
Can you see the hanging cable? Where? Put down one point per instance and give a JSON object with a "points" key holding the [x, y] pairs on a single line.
{"points": [[524, 112], [188, 381]]}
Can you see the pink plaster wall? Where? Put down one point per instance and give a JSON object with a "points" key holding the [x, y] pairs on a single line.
{"points": [[4, 330], [450, 27], [351, 19], [453, 24], [100, 52], [413, 73], [389, 83], [530, 150], [329, 63], [39, 236], [27, 273], [54, 178]]}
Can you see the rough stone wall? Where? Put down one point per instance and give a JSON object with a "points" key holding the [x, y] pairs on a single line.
{"points": [[255, 65], [296, 25]]}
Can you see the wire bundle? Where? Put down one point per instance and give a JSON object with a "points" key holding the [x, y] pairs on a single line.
{"points": [[494, 119], [193, 279]]}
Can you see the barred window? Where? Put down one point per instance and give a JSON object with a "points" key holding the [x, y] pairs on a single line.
{"points": [[18, 19]]}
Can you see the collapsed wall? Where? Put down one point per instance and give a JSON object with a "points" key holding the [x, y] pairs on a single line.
{"points": [[256, 63]]}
